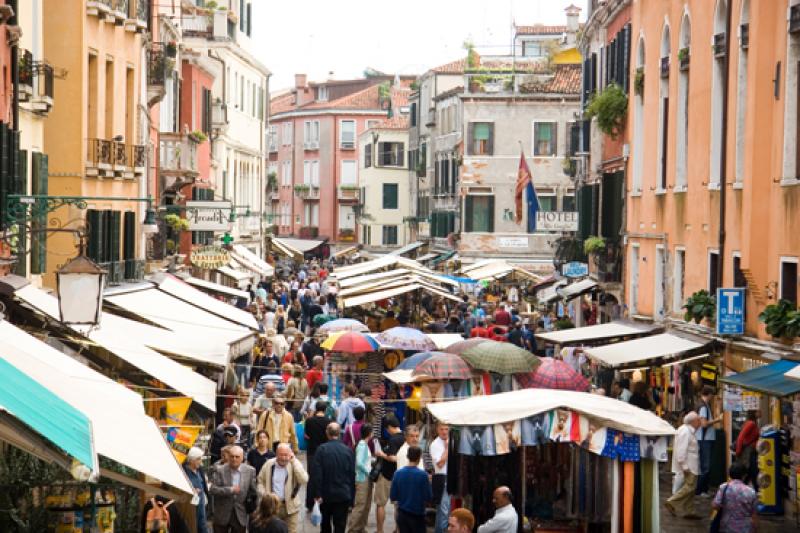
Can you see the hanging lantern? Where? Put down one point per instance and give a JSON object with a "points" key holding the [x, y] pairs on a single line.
{"points": [[80, 291]]}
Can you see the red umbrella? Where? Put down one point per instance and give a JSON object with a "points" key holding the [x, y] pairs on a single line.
{"points": [[442, 366], [553, 374]]}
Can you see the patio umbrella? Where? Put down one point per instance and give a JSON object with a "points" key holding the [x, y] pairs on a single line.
{"points": [[350, 342], [344, 324], [401, 338], [553, 374], [442, 366], [459, 347], [500, 357], [322, 319], [414, 361]]}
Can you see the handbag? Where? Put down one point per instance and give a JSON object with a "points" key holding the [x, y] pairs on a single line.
{"points": [[251, 502], [716, 521], [375, 472]]}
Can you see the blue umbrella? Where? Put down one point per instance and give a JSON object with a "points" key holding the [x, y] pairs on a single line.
{"points": [[411, 363]]}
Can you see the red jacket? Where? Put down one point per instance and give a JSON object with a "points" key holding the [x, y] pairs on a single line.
{"points": [[747, 437]]}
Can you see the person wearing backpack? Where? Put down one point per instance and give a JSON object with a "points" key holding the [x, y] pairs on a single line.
{"points": [[160, 515]]}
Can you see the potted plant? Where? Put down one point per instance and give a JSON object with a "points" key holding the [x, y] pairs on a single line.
{"points": [[594, 245], [272, 181], [198, 136], [171, 49], [301, 189], [638, 82], [700, 305], [782, 320], [683, 58], [569, 167], [563, 323], [609, 108]]}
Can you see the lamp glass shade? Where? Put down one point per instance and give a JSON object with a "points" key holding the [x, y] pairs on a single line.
{"points": [[80, 291]]}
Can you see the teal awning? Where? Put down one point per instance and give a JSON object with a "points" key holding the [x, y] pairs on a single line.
{"points": [[51, 417], [768, 379], [443, 257]]}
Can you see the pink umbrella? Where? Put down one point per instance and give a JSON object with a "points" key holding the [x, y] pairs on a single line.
{"points": [[553, 374]]}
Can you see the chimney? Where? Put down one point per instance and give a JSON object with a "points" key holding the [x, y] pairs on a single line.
{"points": [[573, 12], [300, 81]]}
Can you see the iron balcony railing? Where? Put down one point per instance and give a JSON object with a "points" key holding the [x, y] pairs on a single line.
{"points": [[137, 155], [99, 152], [159, 65]]}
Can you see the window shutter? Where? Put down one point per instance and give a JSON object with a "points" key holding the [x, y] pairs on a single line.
{"points": [[116, 227], [490, 216], [468, 213], [39, 186], [490, 142], [554, 142], [20, 187], [401, 155], [249, 18], [471, 138], [594, 73], [587, 80], [626, 63], [129, 239], [241, 15]]}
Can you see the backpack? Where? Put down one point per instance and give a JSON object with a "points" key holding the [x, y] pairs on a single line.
{"points": [[157, 519]]}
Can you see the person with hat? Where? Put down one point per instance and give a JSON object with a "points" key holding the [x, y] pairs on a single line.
{"points": [[278, 424]]}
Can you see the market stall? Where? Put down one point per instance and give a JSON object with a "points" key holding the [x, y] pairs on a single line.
{"points": [[574, 461]]}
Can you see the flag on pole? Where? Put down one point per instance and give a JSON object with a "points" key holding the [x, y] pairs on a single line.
{"points": [[525, 184]]}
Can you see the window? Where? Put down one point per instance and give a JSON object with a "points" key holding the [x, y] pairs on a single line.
{"points": [[272, 138], [659, 285], [372, 123], [738, 276], [788, 287], [311, 214], [347, 219], [391, 154], [544, 139], [322, 93], [367, 155], [286, 176], [311, 132], [547, 201], [568, 202], [287, 134], [718, 83], [713, 278], [479, 213], [390, 235], [532, 49], [677, 279], [348, 176], [791, 122], [633, 293], [481, 137], [347, 134], [390, 193], [413, 114]]}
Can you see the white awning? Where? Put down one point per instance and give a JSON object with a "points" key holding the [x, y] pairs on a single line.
{"points": [[225, 339], [427, 257], [286, 250], [573, 290], [388, 293], [595, 333], [122, 431], [367, 278], [126, 339], [407, 248], [793, 373], [519, 404], [664, 345], [401, 377], [251, 261], [550, 293], [299, 245], [217, 288], [444, 340], [345, 251], [236, 275], [181, 290]]}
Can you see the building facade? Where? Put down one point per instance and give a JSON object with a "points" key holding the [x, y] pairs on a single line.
{"points": [[10, 182]]}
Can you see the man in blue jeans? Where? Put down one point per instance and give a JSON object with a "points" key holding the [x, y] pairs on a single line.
{"points": [[706, 436], [411, 490], [438, 451]]}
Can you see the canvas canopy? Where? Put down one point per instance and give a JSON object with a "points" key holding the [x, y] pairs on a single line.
{"points": [[599, 332], [519, 404], [637, 351], [573, 290], [183, 291], [407, 248], [217, 288], [251, 261]]}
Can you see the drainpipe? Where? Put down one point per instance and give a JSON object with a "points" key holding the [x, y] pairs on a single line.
{"points": [[723, 164]]}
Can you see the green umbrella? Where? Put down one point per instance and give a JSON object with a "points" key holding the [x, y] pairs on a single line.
{"points": [[322, 319], [500, 357]]}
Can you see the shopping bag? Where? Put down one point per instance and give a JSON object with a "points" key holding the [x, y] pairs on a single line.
{"points": [[316, 515], [300, 431]]}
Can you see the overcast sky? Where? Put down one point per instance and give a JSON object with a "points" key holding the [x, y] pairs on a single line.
{"points": [[316, 37]]}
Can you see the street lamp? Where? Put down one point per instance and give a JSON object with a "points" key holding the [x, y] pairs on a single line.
{"points": [[79, 285]]}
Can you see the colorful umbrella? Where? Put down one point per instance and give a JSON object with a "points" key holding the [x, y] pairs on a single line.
{"points": [[414, 361], [344, 324], [442, 366], [401, 338], [553, 374], [500, 357], [459, 347], [350, 342]]}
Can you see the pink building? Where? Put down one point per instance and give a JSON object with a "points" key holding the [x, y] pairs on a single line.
{"points": [[313, 154]]}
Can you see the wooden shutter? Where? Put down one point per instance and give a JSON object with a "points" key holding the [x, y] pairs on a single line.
{"points": [[626, 64], [115, 226], [490, 142], [249, 19], [468, 208], [94, 225], [555, 139], [490, 216], [241, 15], [20, 187], [129, 238], [39, 239], [471, 138], [664, 141], [5, 178], [594, 73]]}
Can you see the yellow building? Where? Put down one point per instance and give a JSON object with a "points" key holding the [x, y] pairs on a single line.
{"points": [[92, 135]]}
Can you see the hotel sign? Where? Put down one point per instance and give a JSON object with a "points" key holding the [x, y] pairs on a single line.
{"points": [[557, 221], [209, 216]]}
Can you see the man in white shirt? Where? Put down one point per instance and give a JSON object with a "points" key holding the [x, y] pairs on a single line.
{"points": [[412, 439], [438, 451], [505, 516], [686, 464]]}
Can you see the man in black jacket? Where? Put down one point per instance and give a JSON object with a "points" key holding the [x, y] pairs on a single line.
{"points": [[334, 473]]}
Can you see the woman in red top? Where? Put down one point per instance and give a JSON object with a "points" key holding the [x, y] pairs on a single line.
{"points": [[746, 447]]}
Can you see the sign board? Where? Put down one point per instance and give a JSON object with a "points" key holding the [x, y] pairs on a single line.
{"points": [[730, 311], [512, 242], [209, 257], [557, 221], [209, 216], [575, 269]]}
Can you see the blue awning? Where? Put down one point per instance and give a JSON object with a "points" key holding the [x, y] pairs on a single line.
{"points": [[40, 409], [768, 379]]}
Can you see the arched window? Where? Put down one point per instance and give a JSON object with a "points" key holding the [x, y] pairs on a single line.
{"points": [[717, 91], [638, 119], [741, 89], [682, 116], [791, 123], [663, 111]]}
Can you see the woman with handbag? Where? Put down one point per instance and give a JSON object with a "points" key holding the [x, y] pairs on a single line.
{"points": [[746, 448], [363, 500], [735, 505]]}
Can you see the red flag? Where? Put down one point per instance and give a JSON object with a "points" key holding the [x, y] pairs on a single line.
{"points": [[523, 178]]}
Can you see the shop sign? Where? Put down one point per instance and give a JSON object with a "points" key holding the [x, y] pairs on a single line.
{"points": [[512, 242], [730, 311], [557, 220], [209, 216], [731, 398], [575, 269], [209, 257]]}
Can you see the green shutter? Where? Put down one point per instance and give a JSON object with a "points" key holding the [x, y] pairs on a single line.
{"points": [[612, 207], [468, 212], [39, 239], [129, 243], [115, 225], [490, 214], [94, 225], [21, 188]]}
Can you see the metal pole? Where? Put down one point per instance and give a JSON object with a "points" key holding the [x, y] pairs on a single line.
{"points": [[723, 164]]}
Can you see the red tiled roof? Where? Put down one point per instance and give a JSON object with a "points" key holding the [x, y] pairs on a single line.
{"points": [[368, 98], [282, 103], [454, 67], [397, 122], [567, 79]]}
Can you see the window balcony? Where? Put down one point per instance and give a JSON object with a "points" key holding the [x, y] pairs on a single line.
{"points": [[177, 160], [160, 66], [212, 25], [309, 232], [124, 270], [311, 145], [137, 158], [99, 159], [307, 192], [111, 11], [108, 159], [349, 193], [36, 83], [720, 43]]}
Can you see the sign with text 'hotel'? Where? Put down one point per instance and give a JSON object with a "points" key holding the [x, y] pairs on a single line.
{"points": [[557, 221], [209, 216]]}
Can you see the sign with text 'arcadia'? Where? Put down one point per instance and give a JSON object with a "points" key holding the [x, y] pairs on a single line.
{"points": [[209, 216], [557, 221]]}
